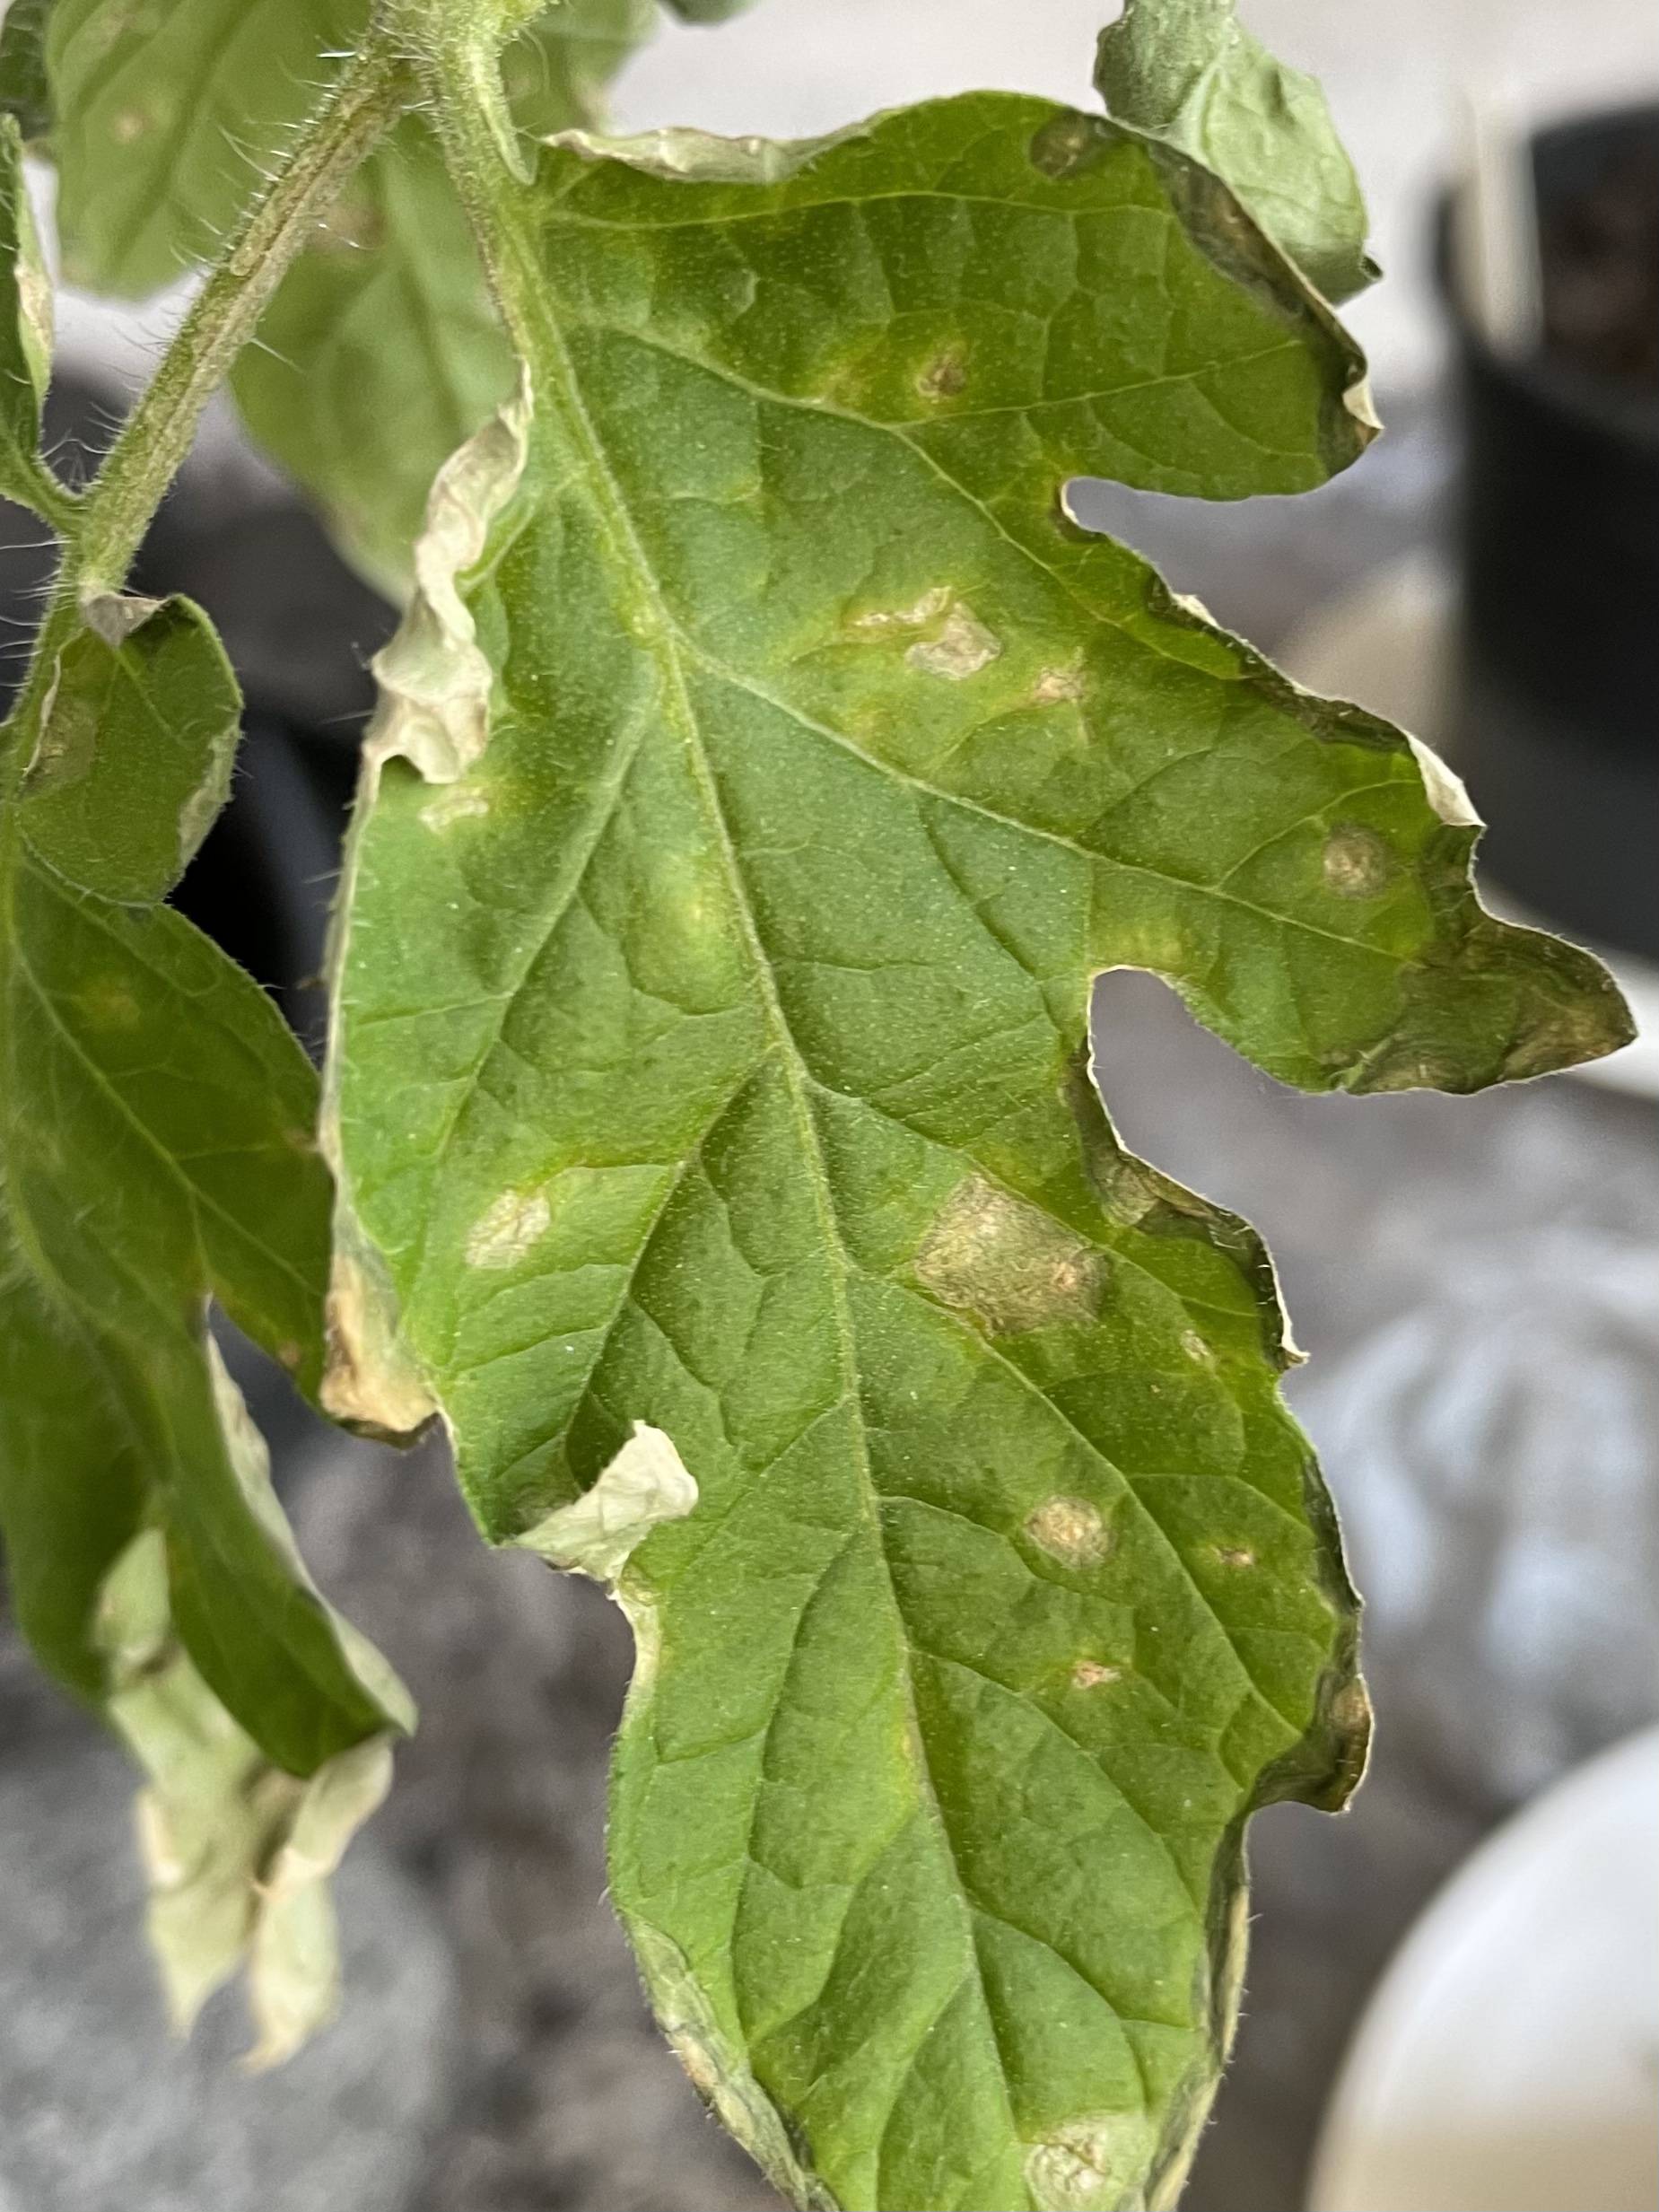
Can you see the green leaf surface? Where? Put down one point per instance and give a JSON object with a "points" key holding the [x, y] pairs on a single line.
{"points": [[382, 351], [1189, 72], [25, 88], [168, 115], [766, 767], [135, 748], [156, 1149]]}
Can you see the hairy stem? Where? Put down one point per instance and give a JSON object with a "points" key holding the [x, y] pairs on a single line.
{"points": [[103, 529], [460, 62]]}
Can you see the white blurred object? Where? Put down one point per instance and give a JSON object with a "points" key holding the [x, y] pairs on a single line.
{"points": [[1391, 645], [1497, 1449], [1509, 2061], [1498, 266]]}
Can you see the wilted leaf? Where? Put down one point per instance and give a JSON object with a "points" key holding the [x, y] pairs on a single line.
{"points": [[766, 767], [1188, 71], [156, 1150]]}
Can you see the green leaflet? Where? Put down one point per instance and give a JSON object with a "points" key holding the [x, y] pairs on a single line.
{"points": [[166, 115], [155, 1150], [1190, 73], [136, 749], [382, 351], [765, 767]]}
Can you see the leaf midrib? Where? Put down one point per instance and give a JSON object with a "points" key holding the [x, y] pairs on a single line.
{"points": [[662, 638]]}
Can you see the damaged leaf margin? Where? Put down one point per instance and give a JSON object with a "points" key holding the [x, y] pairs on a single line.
{"points": [[645, 1484], [156, 1149], [436, 685]]}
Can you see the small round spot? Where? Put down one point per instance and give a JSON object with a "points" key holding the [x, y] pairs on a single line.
{"points": [[106, 1003], [1067, 144], [1356, 862], [1070, 1529], [944, 378]]}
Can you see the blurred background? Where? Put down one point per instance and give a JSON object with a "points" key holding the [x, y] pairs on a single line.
{"points": [[1477, 1281]]}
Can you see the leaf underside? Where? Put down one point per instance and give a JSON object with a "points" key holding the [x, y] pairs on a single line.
{"points": [[1188, 72], [766, 767]]}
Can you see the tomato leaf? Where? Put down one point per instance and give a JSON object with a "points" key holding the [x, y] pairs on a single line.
{"points": [[766, 767]]}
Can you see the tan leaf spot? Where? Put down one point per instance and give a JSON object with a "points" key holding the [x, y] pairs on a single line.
{"points": [[1009, 1263], [1054, 686], [962, 647], [1356, 862], [1070, 1529], [943, 378], [508, 1229]]}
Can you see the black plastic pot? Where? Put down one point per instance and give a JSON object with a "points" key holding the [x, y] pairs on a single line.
{"points": [[1558, 727]]}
